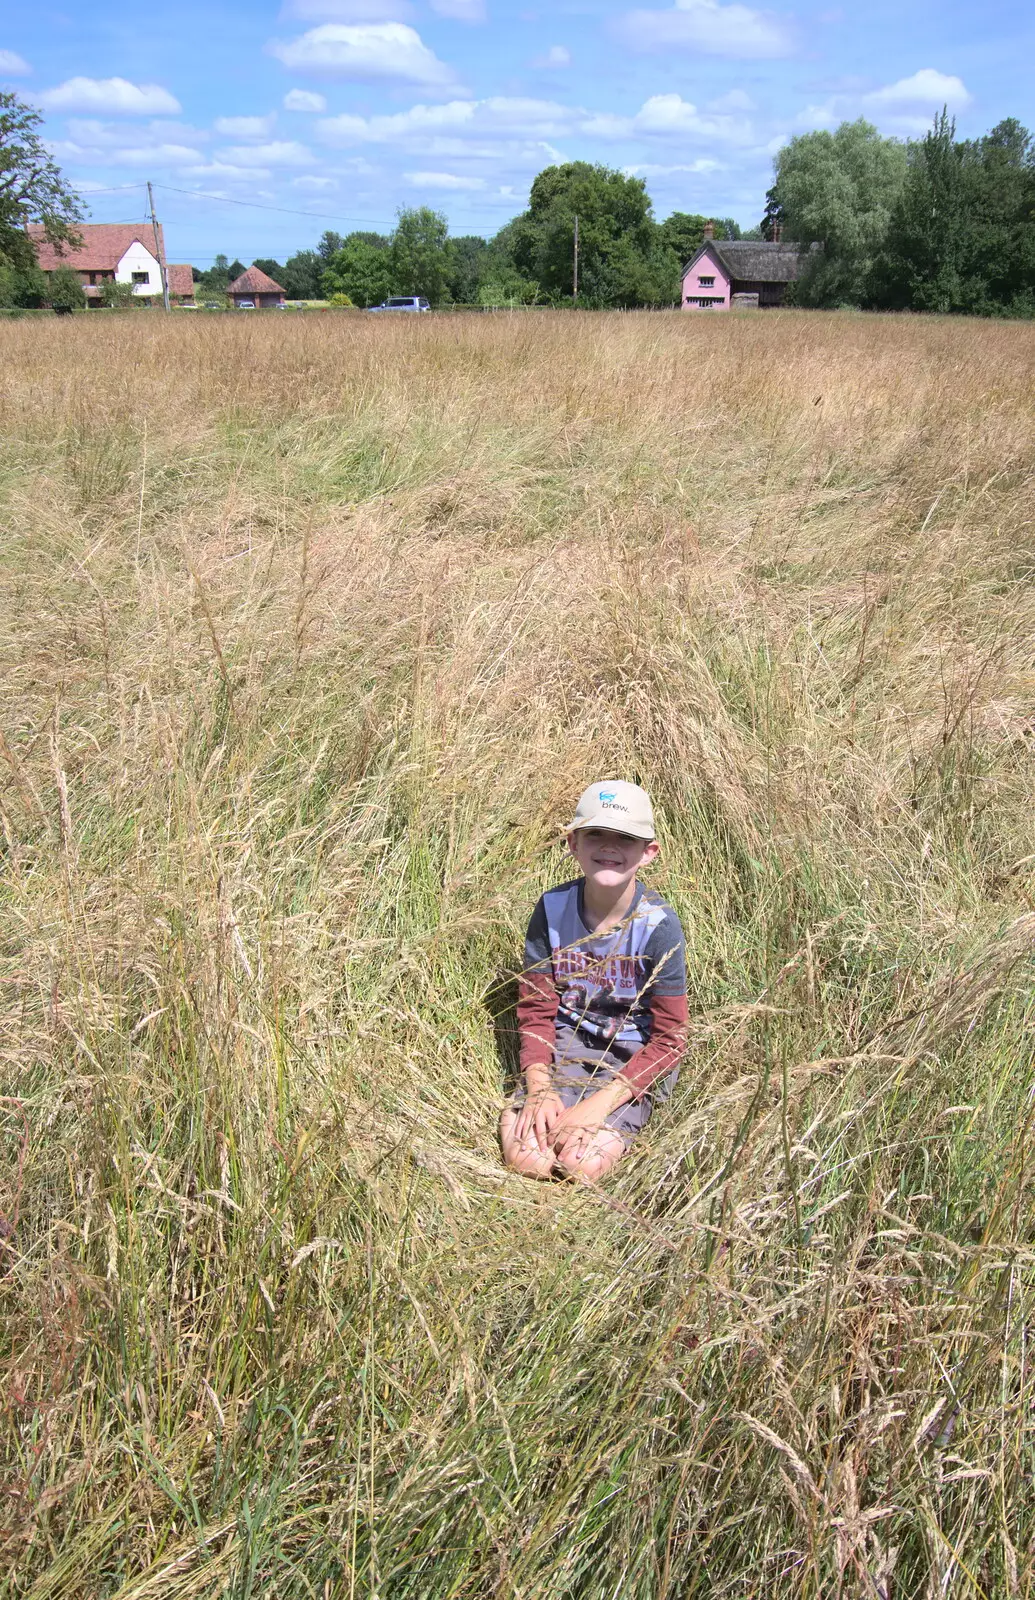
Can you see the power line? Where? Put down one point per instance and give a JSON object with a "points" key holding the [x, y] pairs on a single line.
{"points": [[227, 200]]}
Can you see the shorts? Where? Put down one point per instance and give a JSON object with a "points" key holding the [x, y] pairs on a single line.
{"points": [[580, 1068]]}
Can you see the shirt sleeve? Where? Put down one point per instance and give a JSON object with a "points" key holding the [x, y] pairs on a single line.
{"points": [[670, 1020], [666, 956], [537, 995], [666, 1000]]}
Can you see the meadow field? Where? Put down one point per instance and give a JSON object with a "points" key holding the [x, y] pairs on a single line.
{"points": [[311, 631]]}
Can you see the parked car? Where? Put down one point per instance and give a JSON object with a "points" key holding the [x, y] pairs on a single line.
{"points": [[403, 302], [246, 305]]}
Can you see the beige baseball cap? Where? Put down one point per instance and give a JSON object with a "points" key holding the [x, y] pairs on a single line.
{"points": [[613, 803]]}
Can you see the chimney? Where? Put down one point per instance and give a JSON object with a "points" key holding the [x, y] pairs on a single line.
{"points": [[777, 232], [709, 230]]}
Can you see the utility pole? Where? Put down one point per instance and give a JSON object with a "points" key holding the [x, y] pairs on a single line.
{"points": [[159, 252], [575, 274]]}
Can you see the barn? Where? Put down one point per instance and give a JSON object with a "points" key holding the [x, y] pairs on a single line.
{"points": [[257, 288]]}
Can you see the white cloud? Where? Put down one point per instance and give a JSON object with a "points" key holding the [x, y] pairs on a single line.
{"points": [[13, 65], [460, 10], [499, 115], [558, 55], [442, 180], [369, 53], [304, 100], [313, 184], [737, 31], [277, 153], [925, 88], [140, 155], [669, 116], [654, 169], [113, 96], [821, 115], [735, 100], [903, 108], [246, 127], [100, 136], [226, 169]]}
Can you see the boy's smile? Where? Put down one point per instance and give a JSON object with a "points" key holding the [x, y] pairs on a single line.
{"points": [[610, 860]]}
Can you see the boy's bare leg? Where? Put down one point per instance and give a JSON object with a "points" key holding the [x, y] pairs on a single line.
{"points": [[524, 1155], [596, 1158]]}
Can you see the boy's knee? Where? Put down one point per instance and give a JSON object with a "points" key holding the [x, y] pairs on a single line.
{"points": [[594, 1162], [529, 1163]]}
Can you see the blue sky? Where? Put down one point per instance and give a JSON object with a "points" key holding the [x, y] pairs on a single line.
{"points": [[346, 110]]}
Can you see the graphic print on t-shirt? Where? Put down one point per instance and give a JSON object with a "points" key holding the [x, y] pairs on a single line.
{"points": [[604, 981]]}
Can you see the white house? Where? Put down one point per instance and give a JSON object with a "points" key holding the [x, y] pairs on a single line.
{"points": [[119, 252]]}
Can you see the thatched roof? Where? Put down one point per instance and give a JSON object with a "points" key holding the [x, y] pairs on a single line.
{"points": [[753, 260]]}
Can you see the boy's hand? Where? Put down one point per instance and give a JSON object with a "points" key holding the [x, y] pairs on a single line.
{"points": [[576, 1126], [541, 1110]]}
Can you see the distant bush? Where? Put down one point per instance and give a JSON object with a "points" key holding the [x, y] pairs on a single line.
{"points": [[65, 291], [118, 296]]}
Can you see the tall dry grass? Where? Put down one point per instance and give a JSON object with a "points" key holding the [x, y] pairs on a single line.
{"points": [[311, 631]]}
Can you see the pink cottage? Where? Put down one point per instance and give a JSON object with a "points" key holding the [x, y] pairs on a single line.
{"points": [[727, 273]]}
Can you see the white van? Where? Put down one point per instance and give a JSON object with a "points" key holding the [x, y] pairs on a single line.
{"points": [[403, 302]]}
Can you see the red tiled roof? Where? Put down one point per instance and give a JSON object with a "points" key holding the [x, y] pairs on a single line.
{"points": [[254, 281], [181, 279], [104, 245]]}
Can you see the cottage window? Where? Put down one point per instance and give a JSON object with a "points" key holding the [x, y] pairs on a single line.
{"points": [[141, 277], [706, 283]]}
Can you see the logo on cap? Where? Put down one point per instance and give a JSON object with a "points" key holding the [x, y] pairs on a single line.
{"points": [[607, 797]]}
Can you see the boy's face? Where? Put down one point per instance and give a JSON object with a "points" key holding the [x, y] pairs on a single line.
{"points": [[610, 860]]}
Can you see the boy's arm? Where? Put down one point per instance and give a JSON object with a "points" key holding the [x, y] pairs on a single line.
{"points": [[537, 1000], [537, 1021], [666, 1001], [670, 1021]]}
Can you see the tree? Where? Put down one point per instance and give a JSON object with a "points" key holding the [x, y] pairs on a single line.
{"points": [[271, 268], [234, 270], [217, 277], [329, 245], [469, 252], [119, 296], [300, 276], [921, 265], [1004, 205], [961, 237], [32, 189], [621, 260], [683, 232], [507, 288], [360, 270], [65, 291], [836, 191], [22, 288], [422, 254]]}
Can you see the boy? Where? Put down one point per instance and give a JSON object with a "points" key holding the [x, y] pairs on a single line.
{"points": [[602, 1011]]}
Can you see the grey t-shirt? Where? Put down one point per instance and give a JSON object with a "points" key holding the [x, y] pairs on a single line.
{"points": [[605, 981]]}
